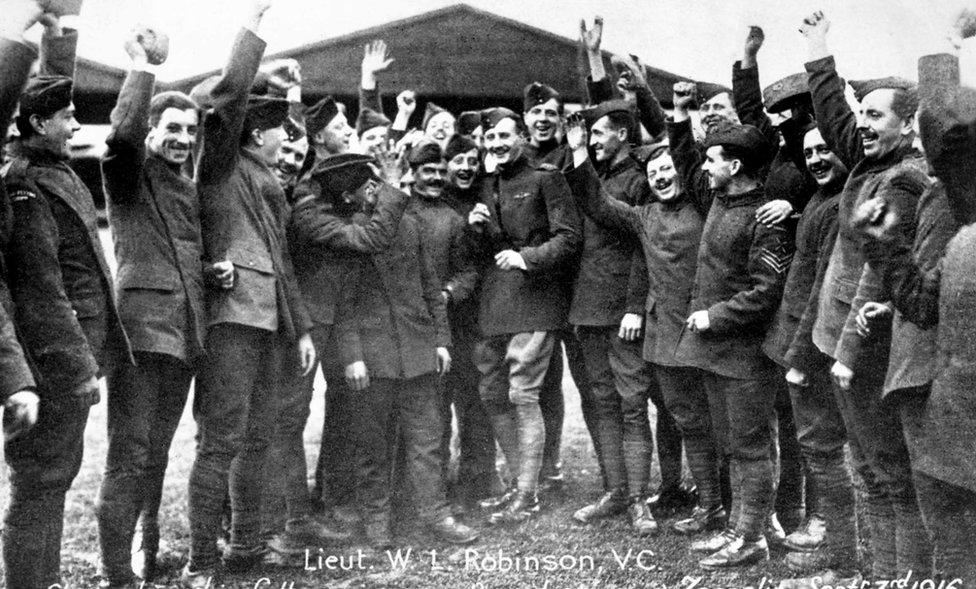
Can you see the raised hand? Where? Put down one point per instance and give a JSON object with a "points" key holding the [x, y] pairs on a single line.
{"points": [[576, 132], [592, 37], [685, 94], [964, 27], [754, 41], [376, 59], [815, 26], [407, 102], [149, 45], [283, 74], [632, 67]]}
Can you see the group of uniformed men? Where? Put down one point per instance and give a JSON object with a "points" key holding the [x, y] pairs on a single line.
{"points": [[780, 275]]}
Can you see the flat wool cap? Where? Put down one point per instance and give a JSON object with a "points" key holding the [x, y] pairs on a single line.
{"points": [[468, 121], [864, 87], [341, 173], [492, 116], [593, 114], [458, 144], [708, 91], [778, 95], [744, 137], [431, 111], [265, 112], [536, 93], [45, 95]]}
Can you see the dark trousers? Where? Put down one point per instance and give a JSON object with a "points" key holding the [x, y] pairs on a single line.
{"points": [[285, 496], [145, 403], [743, 422], [235, 408], [792, 468], [42, 464], [879, 454], [551, 400], [615, 412], [334, 472], [821, 435], [476, 462], [950, 515], [686, 400], [375, 413]]}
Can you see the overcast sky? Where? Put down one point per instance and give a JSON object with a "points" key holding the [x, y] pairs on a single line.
{"points": [[696, 38]]}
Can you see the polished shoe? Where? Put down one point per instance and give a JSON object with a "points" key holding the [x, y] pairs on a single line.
{"points": [[202, 579], [739, 552], [451, 531], [641, 518], [524, 505], [496, 502], [809, 537], [314, 531], [240, 559], [715, 542], [775, 536], [818, 560], [672, 499], [609, 505], [378, 536], [703, 519], [791, 518]]}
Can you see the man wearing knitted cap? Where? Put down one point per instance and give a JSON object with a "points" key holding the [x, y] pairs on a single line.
{"points": [[876, 145], [327, 235], [738, 282], [254, 322], [526, 230], [62, 291], [393, 339], [615, 406]]}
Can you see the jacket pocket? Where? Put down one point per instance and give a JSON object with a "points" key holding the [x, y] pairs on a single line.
{"points": [[845, 290], [251, 257], [147, 278]]}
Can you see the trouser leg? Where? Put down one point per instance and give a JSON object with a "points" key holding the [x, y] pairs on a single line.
{"points": [[42, 464], [950, 512], [791, 479], [687, 401], [373, 427], [527, 356], [551, 400], [633, 380], [601, 405], [225, 391], [476, 468], [667, 434], [145, 403], [418, 409], [334, 470], [742, 412], [822, 436]]}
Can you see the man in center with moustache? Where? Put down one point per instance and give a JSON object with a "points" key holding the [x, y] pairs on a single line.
{"points": [[525, 230]]}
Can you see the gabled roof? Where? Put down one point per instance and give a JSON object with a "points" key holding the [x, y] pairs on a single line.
{"points": [[453, 51]]}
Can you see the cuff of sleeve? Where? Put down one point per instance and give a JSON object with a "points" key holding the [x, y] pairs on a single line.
{"points": [[820, 65]]}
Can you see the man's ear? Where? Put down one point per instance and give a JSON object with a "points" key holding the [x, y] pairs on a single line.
{"points": [[908, 125], [735, 166], [257, 136], [37, 122]]}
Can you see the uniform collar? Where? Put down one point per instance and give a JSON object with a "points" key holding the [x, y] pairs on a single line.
{"points": [[37, 155]]}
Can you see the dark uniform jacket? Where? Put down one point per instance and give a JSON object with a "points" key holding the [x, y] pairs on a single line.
{"points": [[155, 217], [815, 234], [739, 278], [533, 213], [463, 314], [669, 234], [600, 291], [243, 213], [442, 231], [552, 152], [59, 278], [327, 247], [396, 317], [15, 374], [849, 282], [649, 111]]}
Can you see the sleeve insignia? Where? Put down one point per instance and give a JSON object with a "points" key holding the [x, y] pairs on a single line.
{"points": [[777, 259]]}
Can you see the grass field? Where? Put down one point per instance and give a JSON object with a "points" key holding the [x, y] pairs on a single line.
{"points": [[571, 556]]}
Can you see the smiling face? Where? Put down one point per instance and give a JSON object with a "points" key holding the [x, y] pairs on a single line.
{"points": [[441, 128], [606, 140], [373, 140], [503, 141], [663, 178], [428, 179], [336, 137], [291, 158], [542, 121], [882, 130], [56, 131], [717, 109], [719, 169], [174, 135], [463, 169], [823, 164]]}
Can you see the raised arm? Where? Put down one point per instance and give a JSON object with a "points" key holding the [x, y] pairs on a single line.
{"points": [[746, 90], [834, 116], [224, 123], [58, 48], [318, 225], [684, 152], [589, 195], [375, 60]]}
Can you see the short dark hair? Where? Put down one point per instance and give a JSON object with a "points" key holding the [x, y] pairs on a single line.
{"points": [[752, 162], [171, 99], [24, 127], [905, 102]]}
